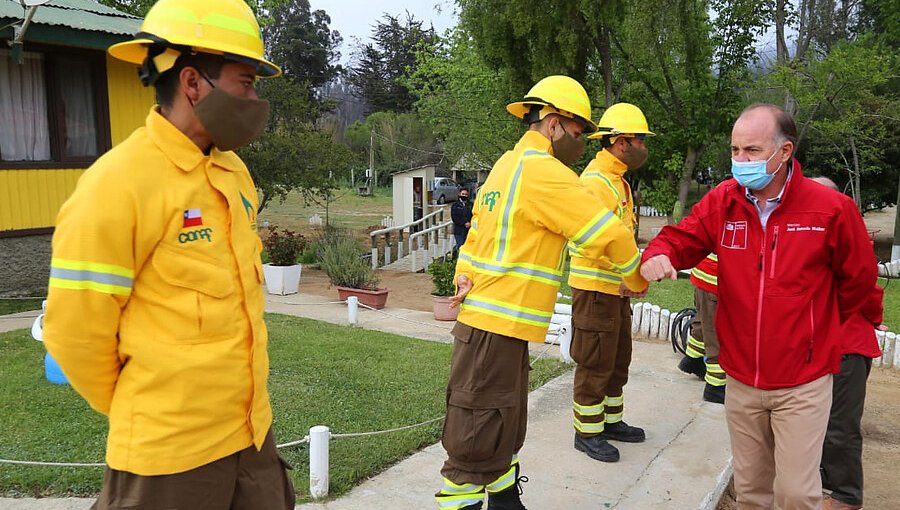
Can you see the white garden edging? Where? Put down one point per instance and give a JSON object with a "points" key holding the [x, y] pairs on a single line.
{"points": [[651, 321]]}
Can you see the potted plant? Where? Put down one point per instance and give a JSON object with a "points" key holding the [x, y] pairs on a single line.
{"points": [[351, 273], [282, 272], [442, 272]]}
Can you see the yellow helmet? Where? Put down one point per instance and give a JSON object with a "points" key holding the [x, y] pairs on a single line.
{"points": [[561, 93], [221, 27], [622, 119]]}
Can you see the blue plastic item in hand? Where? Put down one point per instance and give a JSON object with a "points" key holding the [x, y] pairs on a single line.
{"points": [[52, 371]]}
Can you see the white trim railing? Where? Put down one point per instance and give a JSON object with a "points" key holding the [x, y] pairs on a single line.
{"points": [[430, 233]]}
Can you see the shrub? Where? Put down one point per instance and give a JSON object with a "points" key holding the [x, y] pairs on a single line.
{"points": [[442, 272], [345, 266], [283, 246]]}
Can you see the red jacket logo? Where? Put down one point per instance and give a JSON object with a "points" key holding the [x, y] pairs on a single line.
{"points": [[734, 235]]}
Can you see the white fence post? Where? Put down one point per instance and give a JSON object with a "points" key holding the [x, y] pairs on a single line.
{"points": [[353, 310], [374, 258], [880, 335], [646, 320], [664, 318], [890, 344], [654, 321], [896, 364], [636, 310], [318, 461]]}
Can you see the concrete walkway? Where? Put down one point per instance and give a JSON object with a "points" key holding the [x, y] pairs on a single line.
{"points": [[679, 467]]}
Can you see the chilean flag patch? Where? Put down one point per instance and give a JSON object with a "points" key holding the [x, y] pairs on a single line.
{"points": [[192, 218]]}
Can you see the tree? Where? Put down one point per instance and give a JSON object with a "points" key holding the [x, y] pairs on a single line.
{"points": [[668, 57], [464, 102], [383, 67], [302, 43], [293, 153], [847, 122], [531, 40], [400, 140], [842, 87], [134, 7], [687, 71]]}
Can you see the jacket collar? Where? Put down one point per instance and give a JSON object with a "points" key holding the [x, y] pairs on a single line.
{"points": [[796, 175], [535, 141], [180, 150], [608, 163]]}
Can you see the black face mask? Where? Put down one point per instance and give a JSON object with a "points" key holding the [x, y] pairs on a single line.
{"points": [[464, 199]]}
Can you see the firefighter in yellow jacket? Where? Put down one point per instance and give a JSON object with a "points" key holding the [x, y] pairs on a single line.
{"points": [[155, 309], [508, 274], [601, 306]]}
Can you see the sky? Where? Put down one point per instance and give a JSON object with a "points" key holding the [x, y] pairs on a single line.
{"points": [[354, 18]]}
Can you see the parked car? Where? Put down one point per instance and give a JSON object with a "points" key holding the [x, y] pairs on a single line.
{"points": [[444, 190]]}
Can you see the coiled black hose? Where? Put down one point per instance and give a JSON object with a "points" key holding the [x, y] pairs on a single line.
{"points": [[681, 329]]}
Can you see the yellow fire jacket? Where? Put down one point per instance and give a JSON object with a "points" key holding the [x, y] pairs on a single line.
{"points": [[155, 309], [603, 178], [529, 207]]}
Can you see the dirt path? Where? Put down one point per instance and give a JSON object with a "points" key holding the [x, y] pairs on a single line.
{"points": [[408, 290]]}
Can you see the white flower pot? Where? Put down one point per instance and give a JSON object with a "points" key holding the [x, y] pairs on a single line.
{"points": [[282, 280]]}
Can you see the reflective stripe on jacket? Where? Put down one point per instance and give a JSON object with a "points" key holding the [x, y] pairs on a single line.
{"points": [[603, 178], [529, 207], [785, 289], [705, 275], [155, 305]]}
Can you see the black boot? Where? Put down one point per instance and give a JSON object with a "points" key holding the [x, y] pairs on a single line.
{"points": [[597, 448], [694, 366], [621, 431], [714, 394], [508, 498]]}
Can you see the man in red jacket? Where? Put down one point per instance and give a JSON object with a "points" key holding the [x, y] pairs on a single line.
{"points": [[794, 263], [842, 471]]}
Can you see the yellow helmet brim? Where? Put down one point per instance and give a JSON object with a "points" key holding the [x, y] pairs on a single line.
{"points": [[521, 108], [605, 132], [135, 51]]}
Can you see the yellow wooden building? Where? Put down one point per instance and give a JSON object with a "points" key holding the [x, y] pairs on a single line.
{"points": [[63, 103]]}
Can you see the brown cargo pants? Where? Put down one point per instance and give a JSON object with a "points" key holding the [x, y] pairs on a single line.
{"points": [[245, 480], [703, 327], [601, 345], [487, 405]]}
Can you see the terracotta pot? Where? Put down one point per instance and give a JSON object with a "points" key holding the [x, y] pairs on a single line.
{"points": [[442, 310], [375, 298]]}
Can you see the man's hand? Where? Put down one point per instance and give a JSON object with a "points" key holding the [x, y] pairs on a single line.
{"points": [[658, 267], [882, 327], [463, 286], [468, 225], [626, 292]]}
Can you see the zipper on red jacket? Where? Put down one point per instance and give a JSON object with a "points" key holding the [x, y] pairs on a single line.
{"points": [[759, 303], [812, 331], [774, 253]]}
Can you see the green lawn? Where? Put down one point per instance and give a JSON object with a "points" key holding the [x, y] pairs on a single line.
{"points": [[349, 211], [352, 380], [667, 294], [19, 305]]}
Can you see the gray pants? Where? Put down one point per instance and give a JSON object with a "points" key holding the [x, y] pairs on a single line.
{"points": [[842, 472]]}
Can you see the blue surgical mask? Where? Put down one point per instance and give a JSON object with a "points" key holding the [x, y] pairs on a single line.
{"points": [[752, 174]]}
